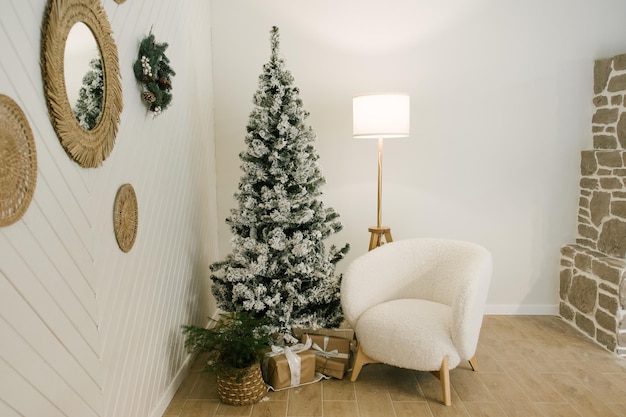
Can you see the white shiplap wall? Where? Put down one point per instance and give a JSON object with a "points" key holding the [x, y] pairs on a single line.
{"points": [[85, 329]]}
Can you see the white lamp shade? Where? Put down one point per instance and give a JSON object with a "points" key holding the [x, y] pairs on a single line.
{"points": [[380, 116]]}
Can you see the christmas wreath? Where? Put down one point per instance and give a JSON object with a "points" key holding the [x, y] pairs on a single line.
{"points": [[152, 69]]}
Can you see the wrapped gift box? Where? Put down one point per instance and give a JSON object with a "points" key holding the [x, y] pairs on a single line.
{"points": [[278, 370], [330, 367], [342, 332], [332, 354]]}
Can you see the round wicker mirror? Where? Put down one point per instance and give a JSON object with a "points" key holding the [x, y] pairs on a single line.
{"points": [[88, 147]]}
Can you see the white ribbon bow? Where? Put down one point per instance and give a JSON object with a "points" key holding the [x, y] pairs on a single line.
{"points": [[328, 354], [294, 361]]}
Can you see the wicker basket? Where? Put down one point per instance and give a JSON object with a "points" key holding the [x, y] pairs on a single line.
{"points": [[249, 389]]}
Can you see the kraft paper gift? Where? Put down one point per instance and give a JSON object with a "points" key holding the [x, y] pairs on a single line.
{"points": [[290, 366], [332, 354]]}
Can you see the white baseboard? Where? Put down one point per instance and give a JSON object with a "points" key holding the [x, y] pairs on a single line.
{"points": [[522, 310], [167, 396]]}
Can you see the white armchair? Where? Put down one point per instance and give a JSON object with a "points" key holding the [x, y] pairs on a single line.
{"points": [[418, 304]]}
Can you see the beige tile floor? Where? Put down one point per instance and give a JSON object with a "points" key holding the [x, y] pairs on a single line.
{"points": [[528, 366]]}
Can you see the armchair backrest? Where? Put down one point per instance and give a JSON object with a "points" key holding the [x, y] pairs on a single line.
{"points": [[451, 272]]}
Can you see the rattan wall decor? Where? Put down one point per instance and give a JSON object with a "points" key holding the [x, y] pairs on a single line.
{"points": [[18, 162], [125, 217], [89, 148]]}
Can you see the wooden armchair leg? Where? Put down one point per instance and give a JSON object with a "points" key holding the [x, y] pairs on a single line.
{"points": [[444, 377], [474, 364], [360, 360]]}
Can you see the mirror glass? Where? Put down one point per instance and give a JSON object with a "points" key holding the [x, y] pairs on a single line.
{"points": [[84, 79]]}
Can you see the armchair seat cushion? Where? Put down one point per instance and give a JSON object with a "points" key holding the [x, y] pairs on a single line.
{"points": [[408, 333]]}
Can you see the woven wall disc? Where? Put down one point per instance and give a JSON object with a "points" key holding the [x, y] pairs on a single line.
{"points": [[125, 217], [18, 162]]}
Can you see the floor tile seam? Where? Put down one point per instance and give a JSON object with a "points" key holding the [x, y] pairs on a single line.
{"points": [[216, 400], [409, 401], [387, 394], [519, 389], [339, 401], [552, 402], [427, 406]]}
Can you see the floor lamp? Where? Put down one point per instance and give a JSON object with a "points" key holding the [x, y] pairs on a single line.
{"points": [[380, 116]]}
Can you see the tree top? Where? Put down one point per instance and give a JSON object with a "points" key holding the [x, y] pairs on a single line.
{"points": [[275, 42]]}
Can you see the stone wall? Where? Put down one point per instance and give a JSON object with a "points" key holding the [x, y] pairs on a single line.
{"points": [[593, 270]]}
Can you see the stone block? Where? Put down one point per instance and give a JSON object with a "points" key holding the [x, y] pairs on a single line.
{"points": [[604, 142], [604, 116], [622, 294], [612, 240], [588, 163], [621, 339], [597, 129], [618, 209], [611, 159], [582, 261], [607, 339], [616, 99], [601, 72], [583, 293], [585, 324], [589, 183], [611, 183], [591, 244], [606, 321], [609, 303], [588, 232], [568, 251], [600, 101], [605, 272], [566, 263], [603, 172], [619, 194], [608, 288], [617, 83], [583, 202], [566, 311], [565, 282], [619, 172], [599, 206], [621, 130]]}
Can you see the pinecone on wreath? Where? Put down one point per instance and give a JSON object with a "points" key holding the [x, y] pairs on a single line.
{"points": [[148, 96], [164, 83]]}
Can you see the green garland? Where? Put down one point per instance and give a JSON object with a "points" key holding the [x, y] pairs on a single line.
{"points": [[152, 69]]}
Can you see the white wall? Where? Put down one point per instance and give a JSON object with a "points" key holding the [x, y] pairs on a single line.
{"points": [[85, 329], [501, 107]]}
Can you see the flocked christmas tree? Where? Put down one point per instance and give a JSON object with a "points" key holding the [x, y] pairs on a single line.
{"points": [[88, 107], [279, 266]]}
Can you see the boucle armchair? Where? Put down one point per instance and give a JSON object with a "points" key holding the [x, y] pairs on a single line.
{"points": [[418, 304]]}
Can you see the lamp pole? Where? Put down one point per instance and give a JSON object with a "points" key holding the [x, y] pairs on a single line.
{"points": [[380, 231], [380, 183], [380, 116]]}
